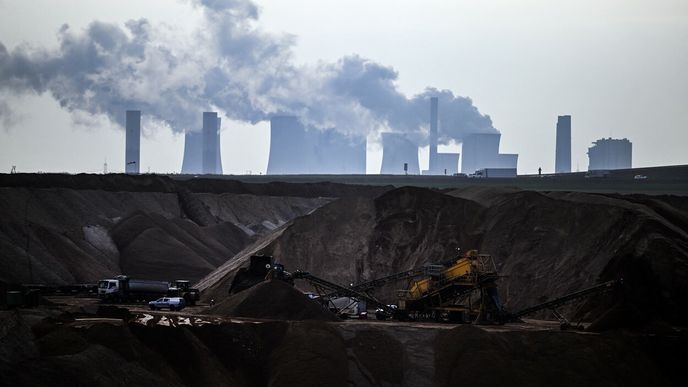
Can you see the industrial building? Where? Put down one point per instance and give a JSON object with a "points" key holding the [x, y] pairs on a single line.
{"points": [[194, 155], [609, 153], [481, 150], [132, 148], [562, 162], [397, 152], [295, 149]]}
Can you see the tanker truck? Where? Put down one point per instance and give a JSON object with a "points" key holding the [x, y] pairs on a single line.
{"points": [[122, 288]]}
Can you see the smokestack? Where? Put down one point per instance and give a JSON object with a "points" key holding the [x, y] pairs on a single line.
{"points": [[132, 149], [210, 143], [562, 162], [433, 167], [397, 150], [218, 158]]}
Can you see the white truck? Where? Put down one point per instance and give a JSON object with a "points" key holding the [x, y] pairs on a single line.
{"points": [[495, 173], [122, 288]]}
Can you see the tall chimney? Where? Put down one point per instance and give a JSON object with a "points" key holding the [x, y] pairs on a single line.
{"points": [[432, 167], [562, 162], [132, 149], [218, 153], [209, 142]]}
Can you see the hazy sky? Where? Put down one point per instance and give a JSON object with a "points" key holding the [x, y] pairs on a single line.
{"points": [[618, 67]]}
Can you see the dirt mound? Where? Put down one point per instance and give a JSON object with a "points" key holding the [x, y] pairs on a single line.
{"points": [[274, 300], [80, 236]]}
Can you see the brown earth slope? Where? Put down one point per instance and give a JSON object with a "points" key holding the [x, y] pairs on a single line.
{"points": [[545, 244]]}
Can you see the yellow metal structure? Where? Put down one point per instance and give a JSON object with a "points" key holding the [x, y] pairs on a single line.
{"points": [[470, 263]]}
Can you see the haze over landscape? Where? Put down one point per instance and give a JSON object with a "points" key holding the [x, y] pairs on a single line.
{"points": [[616, 67]]}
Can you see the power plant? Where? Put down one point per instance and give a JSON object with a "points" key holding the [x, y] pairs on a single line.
{"points": [[295, 149], [562, 163], [399, 155], [439, 163], [609, 153], [481, 150], [132, 149], [194, 152]]}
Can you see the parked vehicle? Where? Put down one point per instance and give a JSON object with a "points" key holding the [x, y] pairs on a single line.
{"points": [[122, 288], [173, 303]]}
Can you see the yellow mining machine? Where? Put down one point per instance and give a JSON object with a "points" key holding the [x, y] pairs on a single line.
{"points": [[462, 290]]}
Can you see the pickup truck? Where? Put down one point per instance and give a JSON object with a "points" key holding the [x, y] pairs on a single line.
{"points": [[173, 303]]}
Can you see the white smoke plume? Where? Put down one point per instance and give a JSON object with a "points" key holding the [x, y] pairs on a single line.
{"points": [[229, 65]]}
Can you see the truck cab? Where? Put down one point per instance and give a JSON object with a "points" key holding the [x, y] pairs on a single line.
{"points": [[108, 288]]}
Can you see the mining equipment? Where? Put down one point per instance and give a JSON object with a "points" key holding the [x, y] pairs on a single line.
{"points": [[461, 290], [469, 278], [552, 305]]}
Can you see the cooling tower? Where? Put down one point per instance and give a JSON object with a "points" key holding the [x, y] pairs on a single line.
{"points": [[447, 164], [433, 167], [507, 160], [397, 150], [562, 162], [479, 151], [295, 149], [132, 149], [193, 153], [210, 143]]}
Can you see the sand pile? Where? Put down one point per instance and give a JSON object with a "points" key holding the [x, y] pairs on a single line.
{"points": [[274, 300]]}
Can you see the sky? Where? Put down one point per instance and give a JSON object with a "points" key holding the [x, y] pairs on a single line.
{"points": [[617, 67]]}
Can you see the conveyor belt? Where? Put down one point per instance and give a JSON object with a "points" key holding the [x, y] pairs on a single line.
{"points": [[342, 291], [600, 288]]}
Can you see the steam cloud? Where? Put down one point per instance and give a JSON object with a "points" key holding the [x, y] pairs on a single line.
{"points": [[227, 65]]}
